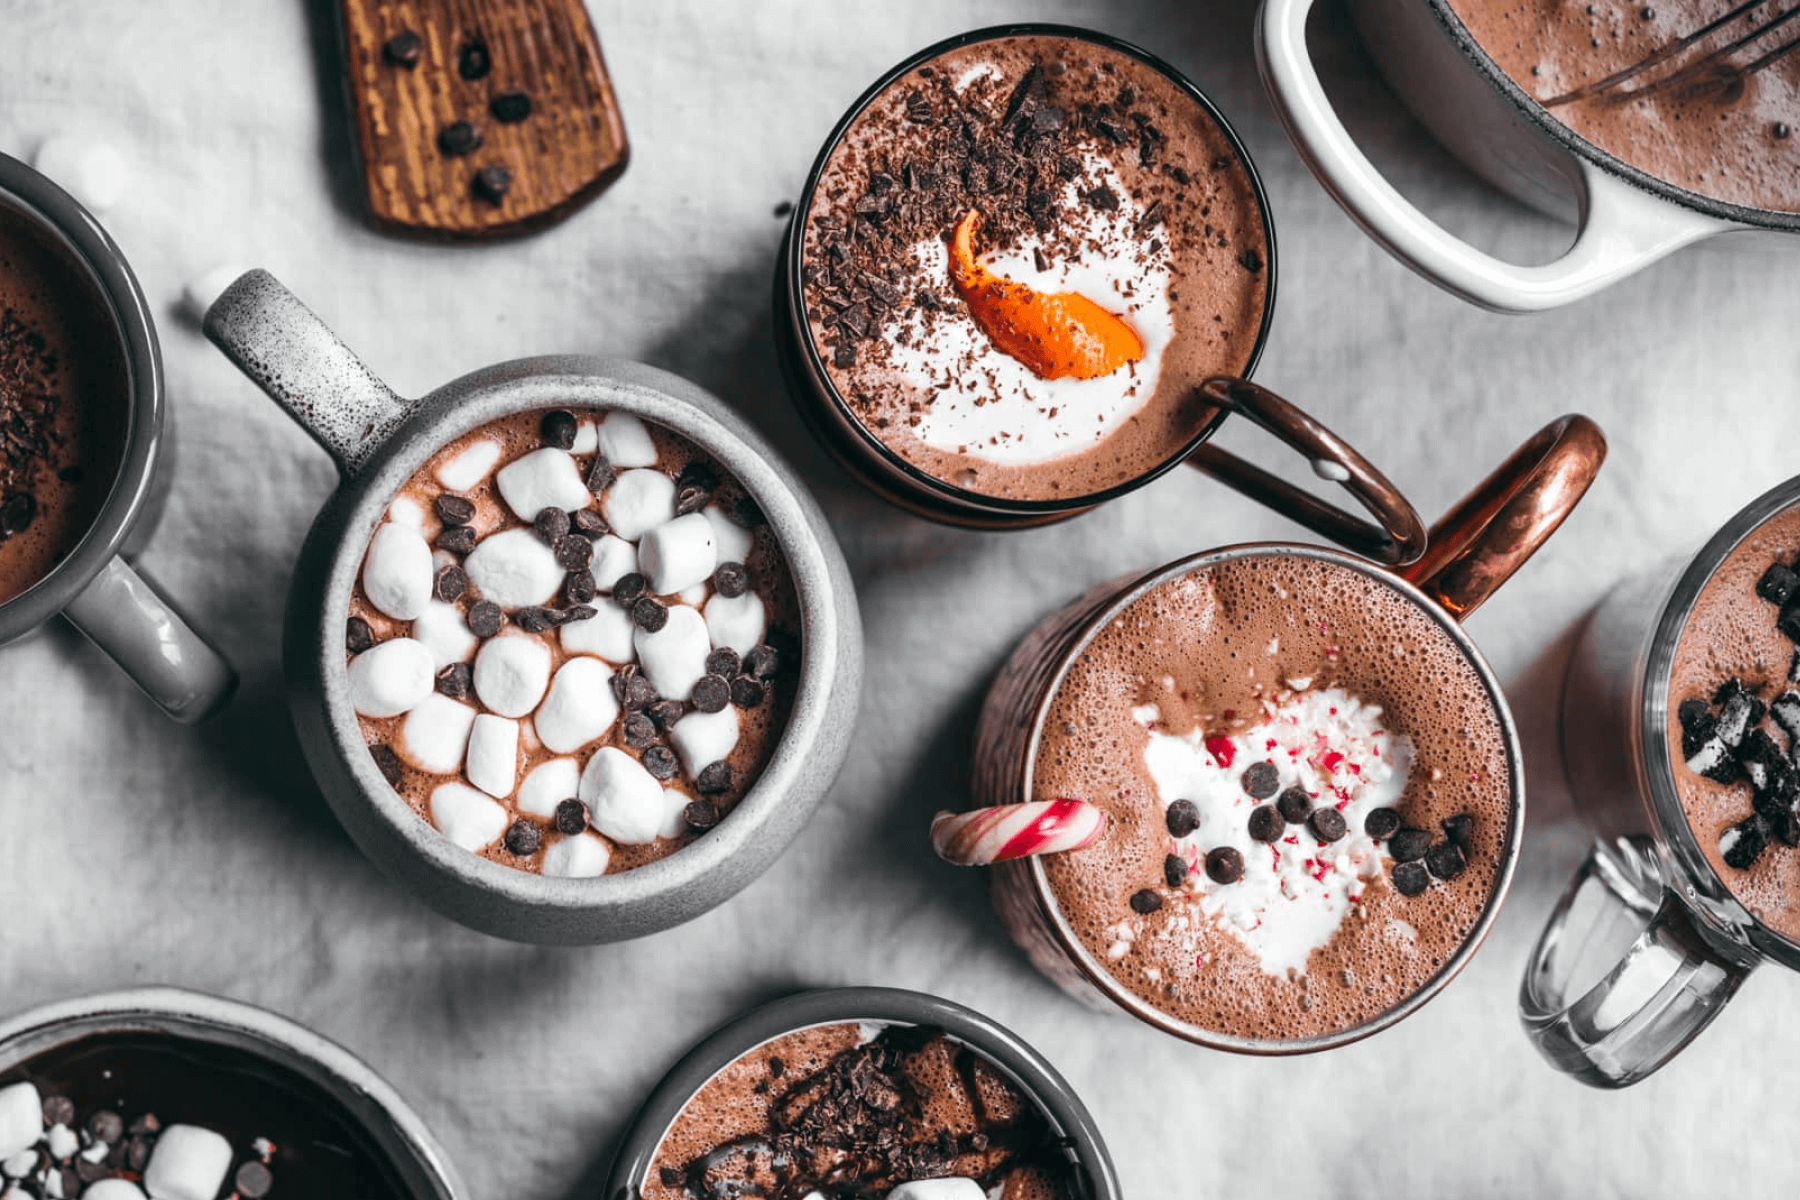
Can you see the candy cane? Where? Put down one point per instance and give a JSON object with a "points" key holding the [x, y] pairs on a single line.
{"points": [[991, 835]]}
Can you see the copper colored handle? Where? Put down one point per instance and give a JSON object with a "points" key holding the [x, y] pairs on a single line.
{"points": [[1476, 546], [1399, 537]]}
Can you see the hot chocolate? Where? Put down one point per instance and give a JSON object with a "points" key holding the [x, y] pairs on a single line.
{"points": [[1308, 790], [63, 402], [1729, 135], [573, 643], [1734, 696], [851, 1110], [1021, 257]]}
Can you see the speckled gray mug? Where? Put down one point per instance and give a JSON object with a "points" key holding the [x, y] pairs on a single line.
{"points": [[378, 440]]}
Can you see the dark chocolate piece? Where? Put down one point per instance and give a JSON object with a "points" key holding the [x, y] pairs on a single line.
{"points": [[1293, 805], [1446, 860], [1224, 864], [711, 694], [1182, 818], [509, 108], [1266, 824], [571, 816], [1411, 878], [1261, 780], [485, 618], [1175, 869], [1381, 823], [523, 837], [1459, 829], [1145, 902], [458, 137], [453, 509], [404, 49], [731, 580], [1327, 823], [558, 426], [357, 635]]}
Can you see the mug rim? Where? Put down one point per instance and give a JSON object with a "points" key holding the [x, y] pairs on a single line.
{"points": [[1095, 972], [219, 1020], [923, 485], [1534, 111], [59, 215], [581, 384], [1028, 1069]]}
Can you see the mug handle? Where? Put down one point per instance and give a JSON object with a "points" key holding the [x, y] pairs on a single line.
{"points": [[293, 356], [1653, 999], [1399, 537], [1622, 229]]}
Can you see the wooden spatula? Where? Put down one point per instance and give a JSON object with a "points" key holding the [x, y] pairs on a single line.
{"points": [[479, 118]]}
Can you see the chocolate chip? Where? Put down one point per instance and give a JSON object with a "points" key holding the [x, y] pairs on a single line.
{"points": [[254, 1180], [1224, 864], [589, 523], [1251, 261], [1261, 780], [357, 635], [1778, 584], [748, 513], [660, 762], [456, 681], [762, 661], [491, 183], [1175, 869], [665, 713], [1789, 622], [509, 108], [451, 582], [457, 539], [17, 513], [579, 587], [639, 730], [672, 1177], [639, 692], [600, 475], [649, 614], [571, 816], [1781, 131], [1446, 860], [485, 618], [1459, 828], [698, 474], [459, 137], [454, 510], [629, 589], [473, 61], [552, 524], [536, 618], [573, 552], [146, 1124], [723, 661], [1293, 805], [59, 1110], [1182, 818], [1145, 902], [1381, 823], [1409, 845], [1327, 823], [918, 108], [711, 694], [387, 762], [1266, 824], [558, 426], [1411, 878], [404, 49], [91, 1171], [137, 1153], [522, 837], [703, 814], [106, 1126], [714, 778], [71, 475], [747, 691], [688, 500]]}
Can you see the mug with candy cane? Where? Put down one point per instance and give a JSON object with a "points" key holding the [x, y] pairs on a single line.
{"points": [[1268, 798]]}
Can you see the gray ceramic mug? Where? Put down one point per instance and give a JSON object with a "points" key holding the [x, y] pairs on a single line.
{"points": [[94, 587], [393, 1129], [378, 441], [1090, 1166]]}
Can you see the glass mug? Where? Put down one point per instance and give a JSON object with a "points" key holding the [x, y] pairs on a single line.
{"points": [[1648, 943]]}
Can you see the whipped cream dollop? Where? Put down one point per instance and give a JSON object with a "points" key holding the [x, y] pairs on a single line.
{"points": [[1296, 891]]}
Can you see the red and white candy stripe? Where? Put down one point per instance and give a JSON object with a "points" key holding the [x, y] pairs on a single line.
{"points": [[1006, 831]]}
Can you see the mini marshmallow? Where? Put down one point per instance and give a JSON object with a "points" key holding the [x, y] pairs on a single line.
{"points": [[637, 502], [408, 512], [89, 170], [199, 292], [607, 634], [18, 1166], [674, 813], [470, 466], [546, 478], [950, 1187], [614, 558], [492, 763], [733, 540], [444, 632], [514, 569], [736, 621], [391, 677], [580, 856], [624, 800], [436, 733], [694, 596], [511, 673], [702, 739], [580, 707], [465, 816], [547, 785], [587, 438], [625, 441], [397, 572], [678, 554], [112, 1189], [61, 1142], [21, 1118], [188, 1163], [674, 657]]}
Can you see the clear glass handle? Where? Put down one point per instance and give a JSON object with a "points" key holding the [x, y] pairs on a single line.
{"points": [[1622, 977]]}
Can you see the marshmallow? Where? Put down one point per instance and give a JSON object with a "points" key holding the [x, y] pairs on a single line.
{"points": [[91, 171], [736, 621], [391, 677], [436, 733], [607, 634], [61, 1142], [678, 554], [546, 478], [614, 558], [587, 438], [21, 1118], [701, 739], [397, 573], [624, 800], [514, 569], [674, 657], [579, 856], [547, 785], [625, 442], [511, 673], [693, 596], [404, 510], [112, 1189], [952, 1187], [674, 813], [18, 1166], [493, 758], [733, 540], [470, 466], [444, 632], [637, 502], [199, 292], [465, 816], [188, 1163], [580, 707]]}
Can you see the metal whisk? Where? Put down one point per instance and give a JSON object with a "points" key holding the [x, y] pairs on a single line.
{"points": [[1712, 70]]}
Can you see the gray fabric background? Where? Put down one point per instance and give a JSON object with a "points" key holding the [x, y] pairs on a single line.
{"points": [[133, 851]]}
